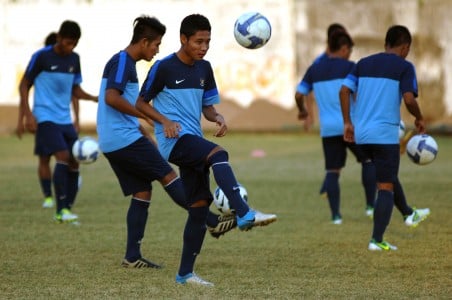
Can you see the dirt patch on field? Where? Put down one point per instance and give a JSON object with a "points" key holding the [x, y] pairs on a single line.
{"points": [[260, 116]]}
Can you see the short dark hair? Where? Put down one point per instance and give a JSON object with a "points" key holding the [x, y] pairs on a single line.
{"points": [[147, 27], [193, 23], [51, 39], [70, 29], [333, 28], [339, 39], [397, 35]]}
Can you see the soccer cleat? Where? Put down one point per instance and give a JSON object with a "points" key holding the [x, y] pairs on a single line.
{"points": [[417, 217], [370, 211], [225, 224], [192, 278], [65, 216], [140, 263], [254, 218], [48, 202], [337, 220], [382, 246]]}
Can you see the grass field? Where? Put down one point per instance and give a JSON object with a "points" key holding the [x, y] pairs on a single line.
{"points": [[300, 256]]}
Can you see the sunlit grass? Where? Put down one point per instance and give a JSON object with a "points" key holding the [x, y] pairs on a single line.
{"points": [[302, 255]]}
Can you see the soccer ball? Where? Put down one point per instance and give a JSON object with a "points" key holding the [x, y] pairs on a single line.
{"points": [[222, 203], [401, 129], [86, 150], [422, 149], [252, 30]]}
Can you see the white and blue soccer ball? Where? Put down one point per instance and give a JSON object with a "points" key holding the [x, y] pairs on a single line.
{"points": [[252, 30], [222, 203], [422, 149], [402, 129], [86, 150]]}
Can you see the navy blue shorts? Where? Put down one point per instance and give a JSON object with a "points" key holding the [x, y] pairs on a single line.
{"points": [[190, 155], [51, 138], [386, 159], [137, 165], [335, 152]]}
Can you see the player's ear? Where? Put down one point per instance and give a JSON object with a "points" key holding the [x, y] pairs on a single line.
{"points": [[183, 39]]}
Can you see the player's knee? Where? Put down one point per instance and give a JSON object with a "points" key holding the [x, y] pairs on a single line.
{"points": [[219, 156], [198, 214]]}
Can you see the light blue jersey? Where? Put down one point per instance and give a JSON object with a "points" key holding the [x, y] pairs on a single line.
{"points": [[117, 130], [179, 92], [379, 81], [53, 77], [325, 77]]}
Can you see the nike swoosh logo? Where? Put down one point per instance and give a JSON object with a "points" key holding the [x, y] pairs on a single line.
{"points": [[179, 81]]}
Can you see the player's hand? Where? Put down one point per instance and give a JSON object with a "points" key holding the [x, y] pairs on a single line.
{"points": [[219, 120], [30, 123], [420, 125], [20, 129], [171, 129], [349, 133]]}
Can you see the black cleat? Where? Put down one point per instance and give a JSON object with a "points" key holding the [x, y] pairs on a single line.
{"points": [[140, 263]]}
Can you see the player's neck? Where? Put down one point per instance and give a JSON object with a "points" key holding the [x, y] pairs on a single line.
{"points": [[183, 57]]}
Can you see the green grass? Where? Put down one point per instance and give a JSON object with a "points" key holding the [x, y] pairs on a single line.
{"points": [[300, 256]]}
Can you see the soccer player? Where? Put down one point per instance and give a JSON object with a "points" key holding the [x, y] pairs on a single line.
{"points": [[44, 172], [324, 77], [308, 114], [379, 82], [55, 73], [182, 87], [129, 148]]}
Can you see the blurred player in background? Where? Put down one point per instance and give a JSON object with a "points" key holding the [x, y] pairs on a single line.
{"points": [[130, 149], [182, 87], [310, 99], [379, 82], [55, 73], [44, 172], [324, 77]]}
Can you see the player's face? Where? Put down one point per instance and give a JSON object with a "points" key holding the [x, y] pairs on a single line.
{"points": [[197, 45], [65, 46], [151, 48]]}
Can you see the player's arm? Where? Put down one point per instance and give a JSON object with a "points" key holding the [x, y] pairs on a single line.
{"points": [[413, 108], [24, 109], [79, 93], [304, 105], [76, 110], [170, 128], [211, 114], [344, 96]]}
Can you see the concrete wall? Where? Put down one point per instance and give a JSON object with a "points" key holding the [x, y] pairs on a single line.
{"points": [[245, 77]]}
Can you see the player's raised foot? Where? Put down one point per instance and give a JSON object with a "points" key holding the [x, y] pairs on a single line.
{"points": [[370, 211], [337, 220], [48, 202], [225, 224], [381, 246], [254, 218], [192, 278], [140, 263], [417, 217]]}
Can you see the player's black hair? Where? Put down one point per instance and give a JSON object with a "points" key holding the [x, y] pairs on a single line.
{"points": [[333, 28], [147, 27], [70, 29], [193, 23], [51, 39], [397, 35], [339, 39]]}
